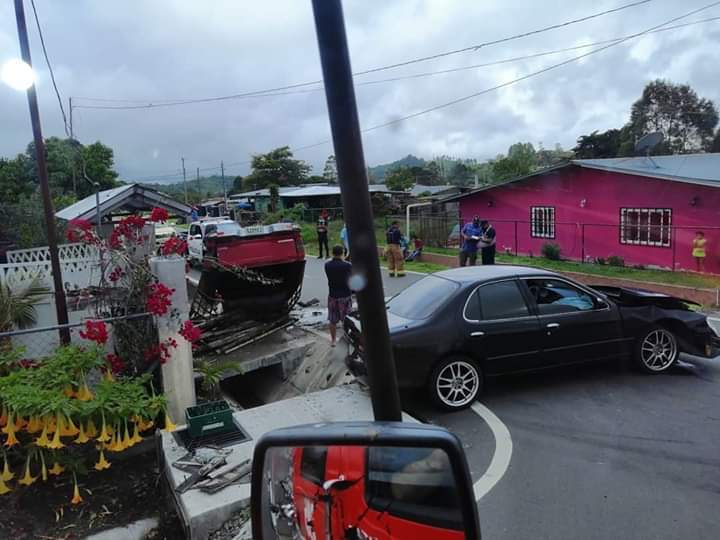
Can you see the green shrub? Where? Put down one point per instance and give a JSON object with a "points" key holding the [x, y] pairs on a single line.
{"points": [[551, 251], [601, 261], [614, 260]]}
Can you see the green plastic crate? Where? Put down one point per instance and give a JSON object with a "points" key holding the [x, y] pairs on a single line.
{"points": [[209, 418]]}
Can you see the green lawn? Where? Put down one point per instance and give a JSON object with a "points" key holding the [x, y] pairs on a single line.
{"points": [[687, 279]]}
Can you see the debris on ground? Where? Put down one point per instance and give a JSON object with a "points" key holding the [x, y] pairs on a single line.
{"points": [[232, 528], [209, 471], [310, 317], [309, 303], [228, 332]]}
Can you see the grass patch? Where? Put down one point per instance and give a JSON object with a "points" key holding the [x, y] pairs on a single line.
{"points": [[425, 267]]}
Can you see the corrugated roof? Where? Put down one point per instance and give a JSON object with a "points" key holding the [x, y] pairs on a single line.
{"points": [[418, 189], [130, 197], [694, 168], [312, 190]]}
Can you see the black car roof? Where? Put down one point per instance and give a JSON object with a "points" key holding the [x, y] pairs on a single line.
{"points": [[481, 273]]}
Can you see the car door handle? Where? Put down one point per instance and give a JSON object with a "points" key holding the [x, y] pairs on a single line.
{"points": [[477, 334], [552, 326]]}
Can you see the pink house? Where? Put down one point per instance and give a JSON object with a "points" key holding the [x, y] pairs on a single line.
{"points": [[645, 210]]}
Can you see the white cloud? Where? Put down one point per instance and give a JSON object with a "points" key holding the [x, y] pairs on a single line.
{"points": [[187, 49]]}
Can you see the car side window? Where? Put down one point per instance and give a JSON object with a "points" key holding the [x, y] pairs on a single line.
{"points": [[555, 296], [472, 307], [312, 464], [502, 300], [194, 230]]}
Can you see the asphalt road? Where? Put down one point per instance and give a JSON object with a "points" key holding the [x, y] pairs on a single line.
{"points": [[599, 451]]}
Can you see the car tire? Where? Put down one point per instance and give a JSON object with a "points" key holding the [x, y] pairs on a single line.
{"points": [[657, 350], [455, 383]]}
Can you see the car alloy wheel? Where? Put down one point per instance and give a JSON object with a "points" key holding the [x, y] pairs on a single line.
{"points": [[659, 350], [457, 384]]}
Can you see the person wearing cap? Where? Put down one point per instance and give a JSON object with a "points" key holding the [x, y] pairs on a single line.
{"points": [[470, 236]]}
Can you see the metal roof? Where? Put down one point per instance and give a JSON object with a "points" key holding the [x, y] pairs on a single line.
{"points": [[311, 190], [418, 189], [701, 169], [128, 198]]}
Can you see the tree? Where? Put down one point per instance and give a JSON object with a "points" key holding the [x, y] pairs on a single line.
{"points": [[237, 185], [16, 179], [17, 307], [686, 120], [399, 179], [330, 170], [276, 167], [274, 197], [598, 145], [715, 147], [460, 174], [520, 161], [66, 161]]}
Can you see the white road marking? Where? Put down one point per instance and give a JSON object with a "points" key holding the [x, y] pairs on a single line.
{"points": [[503, 451]]}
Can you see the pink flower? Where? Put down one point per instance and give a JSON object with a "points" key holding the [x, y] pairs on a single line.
{"points": [[159, 215], [95, 331], [190, 332]]}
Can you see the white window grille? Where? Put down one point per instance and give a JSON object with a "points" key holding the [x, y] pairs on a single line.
{"points": [[542, 222], [646, 226]]}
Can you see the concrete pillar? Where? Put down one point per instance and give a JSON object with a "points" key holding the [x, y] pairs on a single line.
{"points": [[177, 373]]}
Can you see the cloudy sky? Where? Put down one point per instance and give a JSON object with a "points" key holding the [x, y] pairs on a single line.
{"points": [[180, 49]]}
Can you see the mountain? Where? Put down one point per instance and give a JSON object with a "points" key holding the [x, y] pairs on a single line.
{"points": [[377, 173], [209, 186]]}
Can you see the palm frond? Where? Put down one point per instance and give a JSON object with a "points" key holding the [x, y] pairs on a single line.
{"points": [[17, 307]]}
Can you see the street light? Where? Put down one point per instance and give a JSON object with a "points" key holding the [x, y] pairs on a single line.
{"points": [[19, 75]]}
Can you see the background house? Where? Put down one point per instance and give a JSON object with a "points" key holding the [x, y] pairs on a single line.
{"points": [[645, 210]]}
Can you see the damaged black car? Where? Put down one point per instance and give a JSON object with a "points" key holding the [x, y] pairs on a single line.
{"points": [[452, 329]]}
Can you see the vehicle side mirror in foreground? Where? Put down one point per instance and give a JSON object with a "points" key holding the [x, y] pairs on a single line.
{"points": [[383, 480]]}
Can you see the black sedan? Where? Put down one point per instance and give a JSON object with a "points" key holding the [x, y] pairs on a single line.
{"points": [[453, 328]]}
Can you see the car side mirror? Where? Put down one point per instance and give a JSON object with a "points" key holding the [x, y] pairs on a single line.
{"points": [[370, 479], [600, 303]]}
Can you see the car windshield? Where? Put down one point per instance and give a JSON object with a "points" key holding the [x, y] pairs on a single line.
{"points": [[421, 299]]}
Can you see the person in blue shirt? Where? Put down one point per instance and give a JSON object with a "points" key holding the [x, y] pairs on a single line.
{"points": [[470, 236], [345, 240]]}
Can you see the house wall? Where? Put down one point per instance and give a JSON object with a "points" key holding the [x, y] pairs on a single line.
{"points": [[604, 193]]}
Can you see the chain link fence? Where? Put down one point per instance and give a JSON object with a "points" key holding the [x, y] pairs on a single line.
{"points": [[126, 334]]}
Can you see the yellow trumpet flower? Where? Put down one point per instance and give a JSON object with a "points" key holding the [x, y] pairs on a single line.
{"points": [[28, 478], [43, 468], [56, 469], [3, 417], [34, 425], [82, 436], [77, 499], [11, 440], [127, 441], [43, 439], [9, 425], [102, 463], [136, 438], [3, 487], [56, 443], [91, 431], [51, 425], [84, 394], [69, 392], [69, 429], [109, 376], [169, 426], [113, 444], [104, 437], [7, 474], [20, 423]]}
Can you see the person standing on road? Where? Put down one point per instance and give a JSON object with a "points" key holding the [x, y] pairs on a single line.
{"points": [[339, 294], [393, 252], [322, 234], [470, 236], [487, 241]]}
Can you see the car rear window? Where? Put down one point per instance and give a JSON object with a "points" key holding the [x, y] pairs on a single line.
{"points": [[223, 229], [421, 299]]}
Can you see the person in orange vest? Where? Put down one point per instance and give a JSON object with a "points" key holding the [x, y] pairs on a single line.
{"points": [[698, 252]]}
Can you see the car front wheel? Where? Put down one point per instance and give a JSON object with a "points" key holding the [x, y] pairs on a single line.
{"points": [[657, 350], [455, 383]]}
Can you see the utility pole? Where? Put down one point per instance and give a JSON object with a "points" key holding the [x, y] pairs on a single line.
{"points": [[72, 141], [347, 141], [222, 173], [197, 176], [60, 304], [184, 179]]}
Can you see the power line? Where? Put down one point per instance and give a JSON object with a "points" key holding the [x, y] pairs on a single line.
{"points": [[50, 69], [430, 73], [613, 43], [149, 104]]}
